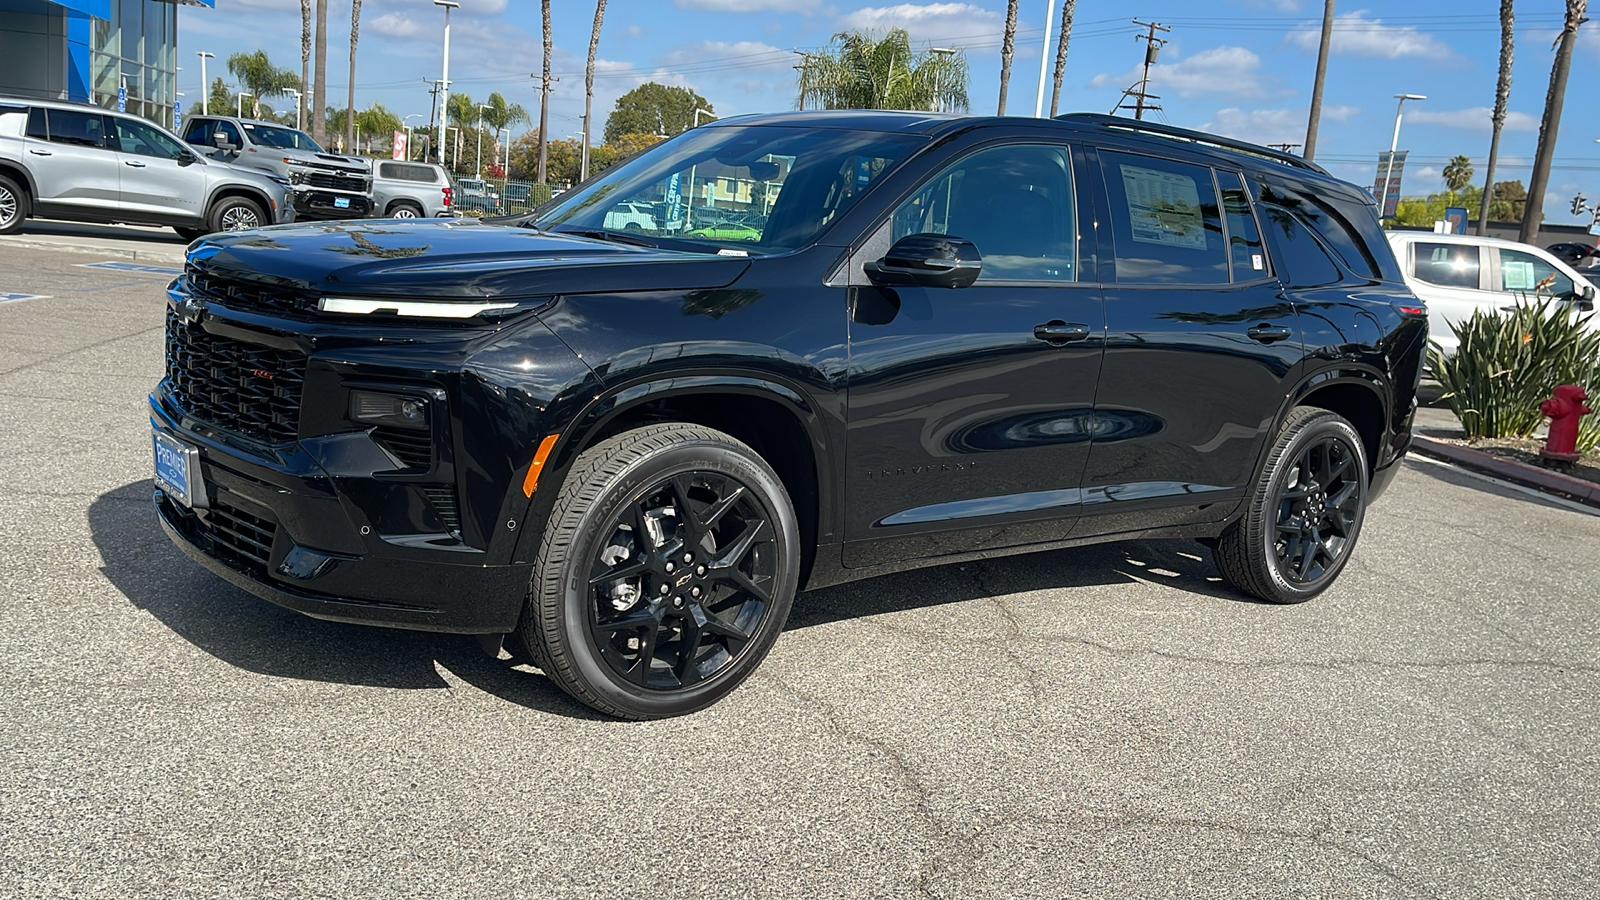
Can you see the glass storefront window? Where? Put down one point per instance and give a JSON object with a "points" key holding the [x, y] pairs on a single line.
{"points": [[135, 47]]}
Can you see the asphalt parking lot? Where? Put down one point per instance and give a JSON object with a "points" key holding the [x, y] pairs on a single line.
{"points": [[1107, 721]]}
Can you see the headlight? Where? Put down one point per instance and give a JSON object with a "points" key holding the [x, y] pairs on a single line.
{"points": [[295, 162]]}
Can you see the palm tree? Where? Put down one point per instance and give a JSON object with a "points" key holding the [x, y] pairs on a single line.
{"points": [[319, 94], [1005, 52], [1061, 52], [257, 75], [860, 71], [1533, 213], [1502, 96], [588, 88], [1457, 175], [544, 99], [305, 59], [350, 98], [502, 115], [461, 109]]}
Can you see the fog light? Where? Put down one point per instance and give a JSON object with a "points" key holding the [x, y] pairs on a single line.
{"points": [[396, 410]]}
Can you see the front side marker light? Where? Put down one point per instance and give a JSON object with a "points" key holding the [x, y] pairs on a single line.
{"points": [[423, 309], [394, 410], [531, 483]]}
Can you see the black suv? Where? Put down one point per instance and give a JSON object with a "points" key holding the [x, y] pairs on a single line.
{"points": [[947, 338]]}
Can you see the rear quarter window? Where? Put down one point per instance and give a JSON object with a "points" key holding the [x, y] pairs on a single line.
{"points": [[1347, 226]]}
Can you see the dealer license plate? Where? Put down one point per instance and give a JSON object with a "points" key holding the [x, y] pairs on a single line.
{"points": [[178, 470], [341, 203]]}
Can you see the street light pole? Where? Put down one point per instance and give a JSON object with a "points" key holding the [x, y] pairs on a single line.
{"points": [[944, 54], [299, 120], [407, 123], [205, 86], [242, 95], [1394, 143], [444, 79], [1044, 56]]}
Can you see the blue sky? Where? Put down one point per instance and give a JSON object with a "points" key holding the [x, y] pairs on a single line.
{"points": [[1239, 67]]}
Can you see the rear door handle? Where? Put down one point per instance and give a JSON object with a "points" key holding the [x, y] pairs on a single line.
{"points": [[1267, 334], [134, 163], [40, 152], [1059, 332]]}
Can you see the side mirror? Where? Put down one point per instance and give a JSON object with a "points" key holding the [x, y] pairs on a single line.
{"points": [[221, 142], [187, 158], [929, 260]]}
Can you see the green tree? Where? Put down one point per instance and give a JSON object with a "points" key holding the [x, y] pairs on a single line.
{"points": [[462, 109], [653, 108], [1457, 174], [502, 114], [562, 159], [221, 97], [861, 71], [260, 77]]}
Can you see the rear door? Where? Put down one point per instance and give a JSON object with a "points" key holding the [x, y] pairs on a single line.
{"points": [[159, 175], [74, 165], [969, 408]]}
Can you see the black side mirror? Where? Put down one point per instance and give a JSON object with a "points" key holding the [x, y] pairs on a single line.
{"points": [[187, 158], [929, 260]]}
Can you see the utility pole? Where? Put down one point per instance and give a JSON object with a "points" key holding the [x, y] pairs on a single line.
{"points": [[1284, 147], [1316, 84], [804, 69], [1152, 50]]}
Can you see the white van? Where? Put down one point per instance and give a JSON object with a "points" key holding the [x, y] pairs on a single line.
{"points": [[1455, 274]]}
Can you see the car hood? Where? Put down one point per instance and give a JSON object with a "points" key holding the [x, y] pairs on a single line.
{"points": [[460, 258], [332, 160]]}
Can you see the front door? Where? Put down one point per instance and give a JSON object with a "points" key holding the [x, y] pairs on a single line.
{"points": [[74, 166], [159, 175], [969, 408]]}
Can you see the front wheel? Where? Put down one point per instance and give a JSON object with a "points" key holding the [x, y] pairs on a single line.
{"points": [[666, 572], [1305, 515], [236, 214], [13, 206]]}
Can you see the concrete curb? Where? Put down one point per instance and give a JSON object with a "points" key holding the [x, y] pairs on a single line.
{"points": [[159, 254], [1518, 473]]}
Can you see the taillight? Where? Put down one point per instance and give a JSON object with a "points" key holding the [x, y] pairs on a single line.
{"points": [[446, 198]]}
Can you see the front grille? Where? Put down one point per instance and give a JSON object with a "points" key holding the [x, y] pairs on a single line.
{"points": [[336, 182], [248, 296], [413, 448], [244, 388], [444, 505], [239, 538]]}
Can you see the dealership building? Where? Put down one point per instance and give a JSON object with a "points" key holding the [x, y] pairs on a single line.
{"points": [[94, 51]]}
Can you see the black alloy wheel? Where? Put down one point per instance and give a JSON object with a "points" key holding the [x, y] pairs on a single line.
{"points": [[665, 574], [1305, 515]]}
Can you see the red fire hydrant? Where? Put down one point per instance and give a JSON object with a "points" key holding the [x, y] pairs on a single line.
{"points": [[1564, 410]]}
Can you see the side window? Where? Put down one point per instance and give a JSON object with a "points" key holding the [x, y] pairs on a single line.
{"points": [[1522, 272], [1446, 265], [1166, 221], [1301, 259], [69, 126], [198, 132], [36, 126], [1244, 235], [138, 137], [389, 170], [1014, 203], [229, 131]]}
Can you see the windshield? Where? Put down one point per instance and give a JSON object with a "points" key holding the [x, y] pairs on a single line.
{"points": [[754, 189], [282, 138]]}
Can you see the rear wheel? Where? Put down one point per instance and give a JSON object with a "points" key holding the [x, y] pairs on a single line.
{"points": [[666, 572], [236, 214], [405, 211], [1306, 513], [13, 206]]}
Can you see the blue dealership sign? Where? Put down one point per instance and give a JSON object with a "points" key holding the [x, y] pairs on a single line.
{"points": [[122, 99]]}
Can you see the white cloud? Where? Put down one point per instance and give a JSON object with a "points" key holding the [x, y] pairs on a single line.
{"points": [[1359, 34], [1233, 71], [926, 21], [397, 25], [1272, 126], [805, 7], [1426, 173], [1473, 119]]}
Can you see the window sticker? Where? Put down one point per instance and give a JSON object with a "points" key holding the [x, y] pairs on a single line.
{"points": [[1256, 263], [1518, 275], [1164, 208]]}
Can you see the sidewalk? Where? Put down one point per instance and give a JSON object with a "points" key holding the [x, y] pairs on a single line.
{"points": [[1434, 423], [126, 242]]}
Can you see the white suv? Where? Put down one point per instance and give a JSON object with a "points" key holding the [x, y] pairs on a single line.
{"points": [[1455, 274], [630, 217]]}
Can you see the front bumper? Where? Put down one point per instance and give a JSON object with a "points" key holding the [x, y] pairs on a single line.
{"points": [[287, 534], [320, 204]]}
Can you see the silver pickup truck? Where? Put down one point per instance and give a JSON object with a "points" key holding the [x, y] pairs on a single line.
{"points": [[325, 185]]}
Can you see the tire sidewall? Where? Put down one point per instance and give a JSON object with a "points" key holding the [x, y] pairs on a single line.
{"points": [[222, 207], [1313, 430], [405, 211], [594, 523], [20, 196]]}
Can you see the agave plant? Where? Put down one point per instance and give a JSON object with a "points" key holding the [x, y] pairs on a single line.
{"points": [[1508, 363]]}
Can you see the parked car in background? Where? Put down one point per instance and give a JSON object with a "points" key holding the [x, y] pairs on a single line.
{"points": [[1458, 274], [727, 231], [410, 190], [476, 197], [74, 161], [630, 217], [1573, 254], [326, 185]]}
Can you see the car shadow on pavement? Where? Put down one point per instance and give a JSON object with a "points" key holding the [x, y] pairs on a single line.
{"points": [[256, 636]]}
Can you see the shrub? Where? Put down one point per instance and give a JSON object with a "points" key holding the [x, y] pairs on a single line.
{"points": [[1508, 363]]}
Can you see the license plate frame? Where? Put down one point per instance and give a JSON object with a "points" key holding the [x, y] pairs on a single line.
{"points": [[177, 470], [341, 203]]}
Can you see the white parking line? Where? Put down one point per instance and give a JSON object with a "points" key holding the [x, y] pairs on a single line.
{"points": [[18, 298], [132, 267]]}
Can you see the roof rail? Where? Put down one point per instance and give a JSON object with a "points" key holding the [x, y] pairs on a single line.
{"points": [[1139, 126]]}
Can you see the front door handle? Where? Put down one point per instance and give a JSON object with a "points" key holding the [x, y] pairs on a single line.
{"points": [[1059, 332], [1267, 334], [135, 163], [40, 152]]}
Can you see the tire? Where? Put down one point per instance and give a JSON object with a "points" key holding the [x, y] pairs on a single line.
{"points": [[191, 234], [13, 206], [1305, 514], [236, 214], [633, 227], [723, 578], [405, 211]]}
